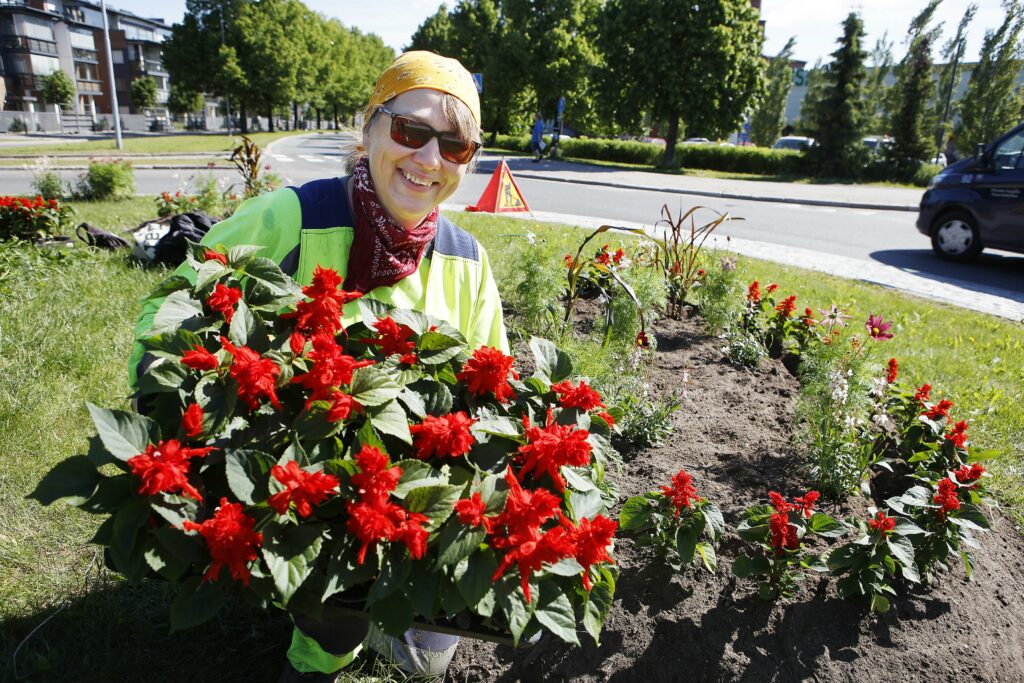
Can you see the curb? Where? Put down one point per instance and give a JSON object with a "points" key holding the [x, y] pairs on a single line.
{"points": [[726, 195]]}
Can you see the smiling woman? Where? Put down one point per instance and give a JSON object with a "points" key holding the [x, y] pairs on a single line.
{"points": [[380, 229]]}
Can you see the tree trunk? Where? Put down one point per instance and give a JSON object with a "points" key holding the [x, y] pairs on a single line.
{"points": [[244, 123], [336, 117], [318, 118], [295, 115], [270, 118], [670, 141]]}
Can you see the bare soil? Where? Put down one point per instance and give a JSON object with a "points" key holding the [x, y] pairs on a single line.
{"points": [[733, 434]]}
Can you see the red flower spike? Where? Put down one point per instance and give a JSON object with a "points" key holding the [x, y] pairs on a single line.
{"points": [[783, 533], [471, 510], [394, 338], [297, 343], [969, 475], [376, 479], [786, 307], [642, 341], [940, 409], [342, 406], [223, 301], [582, 396], [323, 311], [303, 488], [779, 503], [592, 538], [923, 393], [447, 436], [617, 256], [550, 447], [604, 415], [487, 371], [754, 292], [892, 369], [808, 318], [331, 368], [211, 255], [771, 288], [947, 497], [682, 492], [229, 535], [256, 376], [882, 523], [192, 420], [958, 435], [199, 358], [163, 468], [805, 503]]}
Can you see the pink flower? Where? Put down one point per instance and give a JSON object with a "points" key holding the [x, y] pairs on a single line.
{"points": [[878, 328]]}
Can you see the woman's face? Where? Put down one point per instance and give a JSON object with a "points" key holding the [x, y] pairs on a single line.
{"points": [[411, 182]]}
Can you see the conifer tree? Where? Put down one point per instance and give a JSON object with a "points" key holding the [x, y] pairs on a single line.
{"points": [[911, 121]]}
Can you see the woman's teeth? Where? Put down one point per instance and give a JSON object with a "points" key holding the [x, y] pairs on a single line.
{"points": [[416, 181]]}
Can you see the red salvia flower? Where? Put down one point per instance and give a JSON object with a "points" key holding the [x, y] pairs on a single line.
{"points": [[486, 372], [212, 255], [754, 292], [567, 259], [603, 257], [878, 328], [892, 370], [947, 497], [409, 530], [550, 447], [922, 394], [447, 436], [682, 492], [229, 535], [303, 488], [770, 289], [969, 474], [394, 338], [255, 375], [163, 468], [582, 396], [323, 311], [471, 510], [779, 503], [331, 367], [297, 343], [784, 535], [805, 503], [223, 301], [617, 256], [958, 435], [374, 520], [591, 539], [342, 406], [604, 415], [786, 307], [376, 479], [192, 420], [882, 523], [808, 318], [940, 409], [199, 358]]}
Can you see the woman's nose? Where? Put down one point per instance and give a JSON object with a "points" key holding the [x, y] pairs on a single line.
{"points": [[429, 155]]}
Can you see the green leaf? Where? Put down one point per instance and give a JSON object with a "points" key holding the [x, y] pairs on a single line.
{"points": [[714, 521], [578, 478], [421, 589], [164, 378], [904, 527], [242, 254], [686, 544], [171, 284], [371, 386], [708, 556], [110, 495], [823, 525], [433, 501], [178, 307], [473, 576], [434, 348], [917, 495], [553, 365], [416, 473], [971, 517], [248, 474], [343, 572], [414, 320], [393, 615], [744, 567], [554, 612], [127, 537], [172, 343], [456, 542], [498, 425], [393, 573], [596, 607], [196, 602], [902, 550], [170, 552], [391, 419], [879, 603], [209, 271], [124, 434], [242, 324], [290, 552], [565, 567], [74, 480], [413, 402], [843, 557], [588, 504], [437, 398], [636, 514]]}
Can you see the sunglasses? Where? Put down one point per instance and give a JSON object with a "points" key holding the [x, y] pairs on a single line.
{"points": [[414, 134]]}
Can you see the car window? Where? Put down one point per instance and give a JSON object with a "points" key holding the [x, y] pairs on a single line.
{"points": [[1008, 153]]}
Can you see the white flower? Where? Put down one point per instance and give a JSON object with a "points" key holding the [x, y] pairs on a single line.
{"points": [[878, 386], [884, 421], [531, 238], [840, 387]]}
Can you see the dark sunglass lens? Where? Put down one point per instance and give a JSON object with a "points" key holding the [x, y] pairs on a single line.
{"points": [[456, 150], [409, 133]]}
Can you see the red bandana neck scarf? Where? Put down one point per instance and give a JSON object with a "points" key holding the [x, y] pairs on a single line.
{"points": [[383, 252]]}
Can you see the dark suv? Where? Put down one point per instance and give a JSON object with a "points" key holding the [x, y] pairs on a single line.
{"points": [[978, 202]]}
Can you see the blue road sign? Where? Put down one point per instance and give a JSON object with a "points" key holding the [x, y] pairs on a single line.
{"points": [[479, 80], [561, 106]]}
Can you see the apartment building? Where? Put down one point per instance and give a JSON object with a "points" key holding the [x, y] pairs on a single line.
{"points": [[39, 36]]}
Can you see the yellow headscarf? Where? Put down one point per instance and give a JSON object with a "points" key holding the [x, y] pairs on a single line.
{"points": [[422, 69]]}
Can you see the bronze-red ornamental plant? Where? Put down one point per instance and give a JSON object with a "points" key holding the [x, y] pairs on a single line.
{"points": [[318, 450]]}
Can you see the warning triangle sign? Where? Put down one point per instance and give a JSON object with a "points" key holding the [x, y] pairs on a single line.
{"points": [[501, 195]]}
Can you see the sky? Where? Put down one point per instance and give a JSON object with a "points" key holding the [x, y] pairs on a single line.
{"points": [[814, 23]]}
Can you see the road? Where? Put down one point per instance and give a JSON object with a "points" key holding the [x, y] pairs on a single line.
{"points": [[845, 241]]}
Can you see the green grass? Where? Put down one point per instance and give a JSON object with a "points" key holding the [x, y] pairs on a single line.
{"points": [[162, 144], [65, 333], [81, 161]]}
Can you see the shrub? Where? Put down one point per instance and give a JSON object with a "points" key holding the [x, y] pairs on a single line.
{"points": [[647, 421], [17, 126], [27, 219], [107, 180], [47, 184], [538, 284], [758, 160], [718, 294]]}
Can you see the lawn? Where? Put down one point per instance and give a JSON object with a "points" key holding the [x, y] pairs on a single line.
{"points": [[145, 145], [65, 332]]}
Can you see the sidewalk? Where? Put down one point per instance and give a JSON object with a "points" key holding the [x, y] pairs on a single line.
{"points": [[846, 196]]}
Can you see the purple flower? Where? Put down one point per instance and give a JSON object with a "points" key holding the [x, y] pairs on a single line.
{"points": [[878, 328]]}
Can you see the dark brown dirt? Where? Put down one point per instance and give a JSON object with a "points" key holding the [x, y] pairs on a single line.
{"points": [[733, 434]]}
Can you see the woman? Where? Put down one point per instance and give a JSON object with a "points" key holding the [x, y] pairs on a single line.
{"points": [[380, 229]]}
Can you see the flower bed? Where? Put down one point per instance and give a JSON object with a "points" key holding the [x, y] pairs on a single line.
{"points": [[24, 218]]}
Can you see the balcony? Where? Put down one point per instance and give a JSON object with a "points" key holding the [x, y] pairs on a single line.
{"points": [[42, 47], [149, 66], [90, 87], [82, 55], [16, 83]]}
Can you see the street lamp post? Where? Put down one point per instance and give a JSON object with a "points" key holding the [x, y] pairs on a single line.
{"points": [[110, 74], [227, 97]]}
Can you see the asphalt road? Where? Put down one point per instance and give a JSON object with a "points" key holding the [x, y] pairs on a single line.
{"points": [[874, 236]]}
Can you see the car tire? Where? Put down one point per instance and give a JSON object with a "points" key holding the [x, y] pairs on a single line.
{"points": [[955, 237]]}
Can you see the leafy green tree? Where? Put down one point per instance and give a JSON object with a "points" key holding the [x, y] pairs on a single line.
{"points": [[435, 33], [676, 60], [993, 103], [911, 121], [770, 115], [58, 88], [838, 117], [949, 77], [184, 102], [878, 101], [357, 59], [143, 93]]}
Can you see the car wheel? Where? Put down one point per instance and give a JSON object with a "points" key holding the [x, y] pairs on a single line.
{"points": [[955, 237]]}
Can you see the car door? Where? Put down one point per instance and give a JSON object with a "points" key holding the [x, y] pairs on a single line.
{"points": [[1001, 190]]}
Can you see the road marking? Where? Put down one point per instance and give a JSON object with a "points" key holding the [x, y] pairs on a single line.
{"points": [[282, 157], [310, 158]]}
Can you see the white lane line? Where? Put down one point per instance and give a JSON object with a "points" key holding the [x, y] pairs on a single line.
{"points": [[282, 157], [311, 159]]}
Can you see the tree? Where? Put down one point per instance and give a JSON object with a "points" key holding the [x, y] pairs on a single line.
{"points": [[184, 102], [770, 115], [143, 93], [58, 89], [911, 124], [434, 34], [952, 54], [993, 102], [679, 60], [877, 96], [838, 117]]}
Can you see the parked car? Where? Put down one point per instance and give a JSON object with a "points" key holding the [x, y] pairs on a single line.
{"points": [[878, 143], [696, 141], [796, 142], [977, 202]]}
